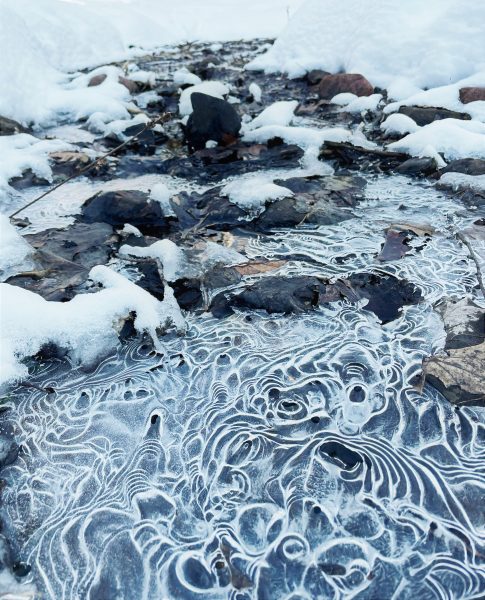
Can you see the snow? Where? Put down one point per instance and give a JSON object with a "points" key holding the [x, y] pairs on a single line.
{"points": [[167, 252], [400, 124], [278, 113], [362, 104], [161, 193], [452, 137], [14, 250], [252, 193], [462, 180], [185, 77], [87, 326], [255, 91], [425, 44], [343, 99], [23, 151], [305, 137], [212, 88]]}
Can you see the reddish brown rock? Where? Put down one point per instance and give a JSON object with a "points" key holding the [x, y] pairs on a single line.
{"points": [[97, 80], [472, 94], [331, 85]]}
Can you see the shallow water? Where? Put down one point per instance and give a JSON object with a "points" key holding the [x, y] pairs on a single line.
{"points": [[265, 457]]}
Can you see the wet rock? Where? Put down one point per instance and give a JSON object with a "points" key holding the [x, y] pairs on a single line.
{"points": [[472, 94], [214, 164], [130, 206], [468, 166], [355, 157], [211, 119], [331, 85], [11, 127], [423, 115], [418, 167]]}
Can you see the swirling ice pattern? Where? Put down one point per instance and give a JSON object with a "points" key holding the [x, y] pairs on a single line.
{"points": [[260, 457]]}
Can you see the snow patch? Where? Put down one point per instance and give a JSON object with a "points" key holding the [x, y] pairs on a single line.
{"points": [[399, 124], [14, 250], [279, 113], [252, 194]]}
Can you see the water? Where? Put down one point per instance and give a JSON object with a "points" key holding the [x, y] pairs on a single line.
{"points": [[265, 457]]}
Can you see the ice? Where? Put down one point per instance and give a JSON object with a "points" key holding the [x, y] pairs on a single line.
{"points": [[86, 327], [279, 113], [252, 193], [452, 137], [212, 88]]}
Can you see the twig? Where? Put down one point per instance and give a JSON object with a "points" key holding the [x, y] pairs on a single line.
{"points": [[161, 119]]}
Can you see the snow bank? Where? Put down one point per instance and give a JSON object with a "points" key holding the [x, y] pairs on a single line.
{"points": [[87, 326], [452, 137], [41, 40], [412, 44]]}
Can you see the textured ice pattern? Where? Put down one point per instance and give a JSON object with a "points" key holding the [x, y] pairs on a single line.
{"points": [[264, 457]]}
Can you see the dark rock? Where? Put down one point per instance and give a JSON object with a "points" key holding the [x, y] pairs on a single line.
{"points": [[418, 167], [331, 85], [10, 127], [68, 163], [472, 94], [80, 243], [147, 142], [214, 164], [130, 206], [423, 115], [468, 166], [211, 119], [355, 157]]}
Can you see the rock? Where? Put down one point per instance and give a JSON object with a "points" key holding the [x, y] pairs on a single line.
{"points": [[418, 167], [214, 164], [69, 163], [396, 245], [331, 85], [97, 80], [130, 85], [459, 375], [423, 115], [146, 144], [10, 127], [468, 166], [355, 157], [127, 206], [315, 76], [472, 94], [211, 119]]}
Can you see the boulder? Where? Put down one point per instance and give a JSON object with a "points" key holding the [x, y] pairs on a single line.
{"points": [[127, 206], [418, 167], [97, 80], [331, 85], [10, 127], [356, 157], [212, 119], [424, 115], [468, 166], [472, 94]]}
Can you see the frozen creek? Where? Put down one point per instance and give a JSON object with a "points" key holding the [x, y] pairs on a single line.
{"points": [[264, 456]]}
